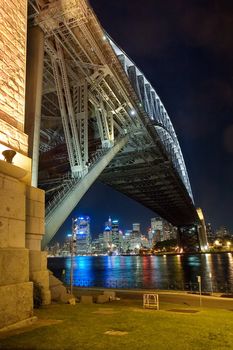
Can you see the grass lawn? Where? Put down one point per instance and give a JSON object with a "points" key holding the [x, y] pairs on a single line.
{"points": [[124, 325]]}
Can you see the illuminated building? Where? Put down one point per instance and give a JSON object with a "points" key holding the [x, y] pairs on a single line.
{"points": [[161, 230], [150, 237], [115, 234], [222, 232], [107, 234], [157, 229], [169, 231], [136, 230], [210, 233], [83, 237]]}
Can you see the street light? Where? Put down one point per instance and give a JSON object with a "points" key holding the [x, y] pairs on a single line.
{"points": [[72, 246]]}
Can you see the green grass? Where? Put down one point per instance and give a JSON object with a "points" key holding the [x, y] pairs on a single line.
{"points": [[84, 326]]}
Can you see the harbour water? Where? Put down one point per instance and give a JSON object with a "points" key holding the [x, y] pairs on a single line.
{"points": [[149, 272]]}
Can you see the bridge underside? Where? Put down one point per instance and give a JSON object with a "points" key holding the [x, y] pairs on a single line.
{"points": [[93, 98], [146, 177]]}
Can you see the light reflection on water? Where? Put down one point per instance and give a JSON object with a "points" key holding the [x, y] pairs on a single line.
{"points": [[159, 272]]}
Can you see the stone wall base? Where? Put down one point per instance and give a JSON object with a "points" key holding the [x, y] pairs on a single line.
{"points": [[20, 324], [58, 290], [16, 303], [39, 273], [14, 266]]}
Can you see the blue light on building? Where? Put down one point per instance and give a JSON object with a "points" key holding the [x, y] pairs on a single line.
{"points": [[83, 235]]}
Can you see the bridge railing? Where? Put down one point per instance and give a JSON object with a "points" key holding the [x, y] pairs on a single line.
{"points": [[191, 287]]}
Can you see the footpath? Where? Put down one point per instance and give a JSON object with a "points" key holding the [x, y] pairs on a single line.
{"points": [[215, 300]]}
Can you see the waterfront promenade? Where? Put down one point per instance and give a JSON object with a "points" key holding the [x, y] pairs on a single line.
{"points": [[130, 296], [180, 323], [149, 272]]}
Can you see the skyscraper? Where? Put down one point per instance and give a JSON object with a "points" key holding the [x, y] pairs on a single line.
{"points": [[210, 233], [107, 234], [83, 237], [162, 230], [136, 230], [115, 234], [157, 229]]}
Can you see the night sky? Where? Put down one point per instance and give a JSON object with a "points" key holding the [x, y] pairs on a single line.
{"points": [[185, 49]]}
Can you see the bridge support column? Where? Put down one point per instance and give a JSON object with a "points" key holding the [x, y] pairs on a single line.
{"points": [[17, 256], [35, 227], [35, 202], [202, 231], [34, 79], [16, 291]]}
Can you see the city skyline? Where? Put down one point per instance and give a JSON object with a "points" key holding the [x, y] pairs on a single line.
{"points": [[89, 205], [115, 239], [98, 222]]}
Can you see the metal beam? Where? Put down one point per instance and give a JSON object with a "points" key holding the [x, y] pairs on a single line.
{"points": [[59, 215]]}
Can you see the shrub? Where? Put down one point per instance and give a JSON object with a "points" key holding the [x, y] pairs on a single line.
{"points": [[37, 295]]}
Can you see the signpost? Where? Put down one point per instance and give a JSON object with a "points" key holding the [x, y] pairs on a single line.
{"points": [[199, 283], [211, 282]]}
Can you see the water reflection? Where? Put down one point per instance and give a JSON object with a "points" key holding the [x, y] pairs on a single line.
{"points": [[156, 272]]}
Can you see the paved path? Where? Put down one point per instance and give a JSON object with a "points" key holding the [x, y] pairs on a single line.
{"points": [[185, 299], [182, 298]]}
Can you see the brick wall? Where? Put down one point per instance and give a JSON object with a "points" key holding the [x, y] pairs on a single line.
{"points": [[13, 20]]}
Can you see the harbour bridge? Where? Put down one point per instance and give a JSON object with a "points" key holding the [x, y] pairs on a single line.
{"points": [[91, 113]]}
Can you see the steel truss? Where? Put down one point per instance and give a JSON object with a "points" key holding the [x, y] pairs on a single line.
{"points": [[99, 96]]}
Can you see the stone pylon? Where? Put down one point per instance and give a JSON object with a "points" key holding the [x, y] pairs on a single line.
{"points": [[21, 205]]}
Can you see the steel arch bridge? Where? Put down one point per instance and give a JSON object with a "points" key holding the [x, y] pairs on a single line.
{"points": [[91, 113]]}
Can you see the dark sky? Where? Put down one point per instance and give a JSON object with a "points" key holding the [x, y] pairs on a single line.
{"points": [[185, 49]]}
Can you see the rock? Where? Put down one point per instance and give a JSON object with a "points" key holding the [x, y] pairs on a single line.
{"points": [[58, 291], [72, 301], [86, 299]]}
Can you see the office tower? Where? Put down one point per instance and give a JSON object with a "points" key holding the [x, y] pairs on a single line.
{"points": [[115, 234], [169, 231], [108, 224], [83, 237], [162, 230], [210, 233], [136, 230], [107, 234], [150, 237], [222, 232], [157, 229]]}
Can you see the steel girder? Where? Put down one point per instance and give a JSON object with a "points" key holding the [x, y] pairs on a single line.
{"points": [[94, 94]]}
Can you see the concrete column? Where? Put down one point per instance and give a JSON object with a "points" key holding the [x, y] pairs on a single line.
{"points": [[34, 80], [202, 231], [35, 228], [16, 302]]}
